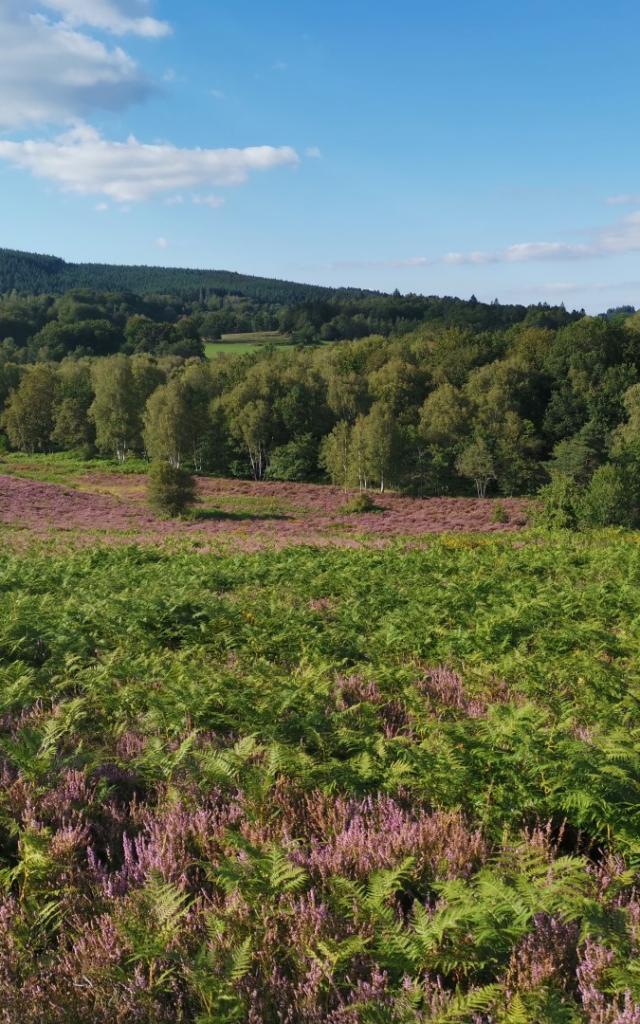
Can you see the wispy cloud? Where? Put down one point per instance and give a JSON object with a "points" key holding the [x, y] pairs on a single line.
{"points": [[120, 18], [410, 261], [161, 243], [313, 152], [523, 252], [83, 161], [213, 202], [625, 199], [621, 237]]}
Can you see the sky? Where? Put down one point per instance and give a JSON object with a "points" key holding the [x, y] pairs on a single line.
{"points": [[450, 148]]}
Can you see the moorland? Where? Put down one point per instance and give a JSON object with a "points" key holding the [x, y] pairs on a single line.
{"points": [[292, 758]]}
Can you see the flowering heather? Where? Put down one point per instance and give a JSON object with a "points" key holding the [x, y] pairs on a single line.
{"points": [[320, 786], [249, 514]]}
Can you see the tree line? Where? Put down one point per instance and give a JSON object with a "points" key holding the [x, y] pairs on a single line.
{"points": [[434, 411], [86, 322], [50, 309]]}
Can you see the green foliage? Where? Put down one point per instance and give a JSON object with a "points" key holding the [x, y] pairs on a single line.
{"points": [[399, 780], [499, 513], [296, 460], [29, 416], [412, 392], [171, 490], [607, 501], [359, 504], [559, 503], [611, 498], [476, 462]]}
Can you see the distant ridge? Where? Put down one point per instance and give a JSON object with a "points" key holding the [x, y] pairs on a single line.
{"points": [[35, 274]]}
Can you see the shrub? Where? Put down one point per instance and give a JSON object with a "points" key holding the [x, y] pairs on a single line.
{"points": [[170, 490], [361, 503], [559, 501], [606, 501], [499, 513], [609, 499]]}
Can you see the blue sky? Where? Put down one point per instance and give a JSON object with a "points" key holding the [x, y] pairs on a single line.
{"points": [[450, 148]]}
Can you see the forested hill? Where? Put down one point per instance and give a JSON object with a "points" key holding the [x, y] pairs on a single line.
{"points": [[33, 274], [50, 309], [30, 274]]}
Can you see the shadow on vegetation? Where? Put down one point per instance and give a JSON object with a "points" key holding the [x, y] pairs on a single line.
{"points": [[201, 515]]}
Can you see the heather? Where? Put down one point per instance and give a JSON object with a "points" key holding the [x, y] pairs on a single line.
{"points": [[49, 495], [321, 785]]}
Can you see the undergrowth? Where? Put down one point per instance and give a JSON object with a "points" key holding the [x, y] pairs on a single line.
{"points": [[322, 785]]}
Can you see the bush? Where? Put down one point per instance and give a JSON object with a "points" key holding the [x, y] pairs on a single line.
{"points": [[607, 501], [559, 501], [361, 503], [499, 513], [170, 490]]}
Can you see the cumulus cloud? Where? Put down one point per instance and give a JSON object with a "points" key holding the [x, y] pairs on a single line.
{"points": [[109, 16], [52, 72], [82, 161]]}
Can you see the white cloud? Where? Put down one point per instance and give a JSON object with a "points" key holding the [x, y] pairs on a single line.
{"points": [[51, 72], [174, 200], [102, 207], [621, 237], [162, 243], [411, 261], [523, 252], [627, 199], [83, 161], [217, 94], [109, 16], [313, 152], [215, 202]]}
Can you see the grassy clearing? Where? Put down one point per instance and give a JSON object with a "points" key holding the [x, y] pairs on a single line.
{"points": [[416, 769], [64, 467], [246, 505], [241, 344], [258, 337]]}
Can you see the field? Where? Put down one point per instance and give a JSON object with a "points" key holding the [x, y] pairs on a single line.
{"points": [[240, 344], [88, 503], [384, 776]]}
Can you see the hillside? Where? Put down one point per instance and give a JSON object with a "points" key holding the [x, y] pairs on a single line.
{"points": [[34, 274]]}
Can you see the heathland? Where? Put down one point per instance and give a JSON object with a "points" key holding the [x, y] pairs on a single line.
{"points": [[364, 779], [310, 754], [424, 395]]}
